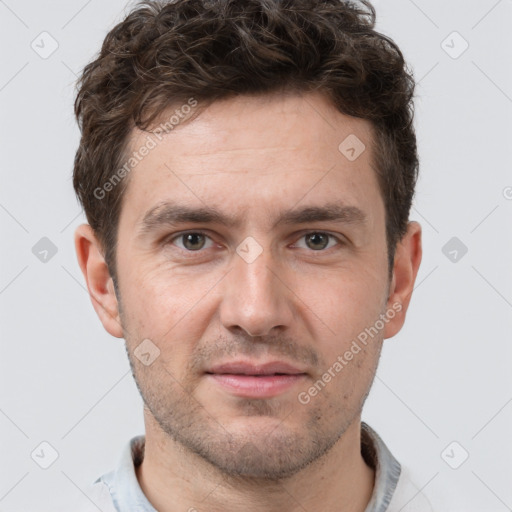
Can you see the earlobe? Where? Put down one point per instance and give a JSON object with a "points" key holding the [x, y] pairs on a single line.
{"points": [[98, 279], [405, 269]]}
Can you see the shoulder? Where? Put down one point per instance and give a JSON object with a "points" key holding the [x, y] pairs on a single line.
{"points": [[96, 497], [408, 495]]}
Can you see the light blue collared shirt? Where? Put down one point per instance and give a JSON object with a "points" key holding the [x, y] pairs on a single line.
{"points": [[122, 490]]}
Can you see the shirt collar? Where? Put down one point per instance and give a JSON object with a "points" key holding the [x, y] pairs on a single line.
{"points": [[127, 494], [387, 469], [122, 482]]}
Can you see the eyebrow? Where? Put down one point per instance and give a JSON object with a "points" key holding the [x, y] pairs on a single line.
{"points": [[171, 214]]}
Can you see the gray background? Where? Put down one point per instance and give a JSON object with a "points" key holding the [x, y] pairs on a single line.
{"points": [[444, 378]]}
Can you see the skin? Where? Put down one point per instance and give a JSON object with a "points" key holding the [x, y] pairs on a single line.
{"points": [[301, 300]]}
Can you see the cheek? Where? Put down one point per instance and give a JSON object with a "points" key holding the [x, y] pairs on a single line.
{"points": [[161, 293], [341, 390], [346, 304], [170, 309], [350, 351]]}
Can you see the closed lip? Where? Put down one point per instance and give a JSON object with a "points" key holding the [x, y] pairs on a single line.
{"points": [[251, 368]]}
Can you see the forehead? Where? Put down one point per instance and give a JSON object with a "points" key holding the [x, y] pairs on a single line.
{"points": [[254, 154]]}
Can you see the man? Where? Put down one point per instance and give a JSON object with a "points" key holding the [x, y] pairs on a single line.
{"points": [[247, 170]]}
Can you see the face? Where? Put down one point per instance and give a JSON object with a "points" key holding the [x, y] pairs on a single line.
{"points": [[252, 303]]}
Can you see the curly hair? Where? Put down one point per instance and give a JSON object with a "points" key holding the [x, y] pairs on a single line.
{"points": [[165, 52]]}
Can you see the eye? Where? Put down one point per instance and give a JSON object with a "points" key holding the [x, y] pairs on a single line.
{"points": [[193, 241], [318, 240]]}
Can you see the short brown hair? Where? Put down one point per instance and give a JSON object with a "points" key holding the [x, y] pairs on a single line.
{"points": [[165, 52]]}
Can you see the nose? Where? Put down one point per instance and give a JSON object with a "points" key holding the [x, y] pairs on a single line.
{"points": [[255, 296]]}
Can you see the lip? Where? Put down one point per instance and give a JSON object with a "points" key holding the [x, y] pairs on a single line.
{"points": [[248, 368], [250, 380]]}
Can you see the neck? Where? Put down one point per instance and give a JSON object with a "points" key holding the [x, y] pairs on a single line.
{"points": [[173, 478]]}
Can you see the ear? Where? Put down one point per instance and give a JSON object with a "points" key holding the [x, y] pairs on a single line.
{"points": [[98, 279], [405, 268]]}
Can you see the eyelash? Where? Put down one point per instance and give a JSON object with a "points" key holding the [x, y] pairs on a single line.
{"points": [[170, 241]]}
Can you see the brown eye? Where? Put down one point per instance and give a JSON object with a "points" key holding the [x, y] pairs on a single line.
{"points": [[192, 241], [317, 241]]}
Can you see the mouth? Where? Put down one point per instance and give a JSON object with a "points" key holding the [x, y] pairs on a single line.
{"points": [[249, 380]]}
